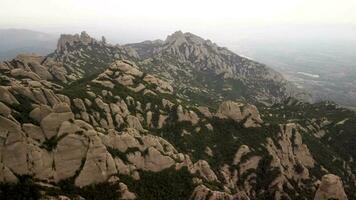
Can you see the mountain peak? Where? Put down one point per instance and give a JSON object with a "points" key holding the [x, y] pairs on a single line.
{"points": [[179, 38], [69, 39]]}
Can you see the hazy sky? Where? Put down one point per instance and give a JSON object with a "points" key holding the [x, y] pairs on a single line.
{"points": [[135, 19]]}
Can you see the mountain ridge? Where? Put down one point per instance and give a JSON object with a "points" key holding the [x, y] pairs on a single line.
{"points": [[90, 121], [207, 59]]}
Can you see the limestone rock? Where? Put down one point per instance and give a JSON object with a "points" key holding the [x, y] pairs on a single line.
{"points": [[24, 73], [61, 108], [162, 120], [330, 188], [161, 86], [289, 153], [243, 150], [52, 122], [6, 176], [99, 164], [251, 163], [125, 193], [203, 169], [125, 80], [51, 97], [34, 132], [201, 192], [66, 39], [69, 155], [238, 111], [149, 118], [41, 71], [205, 111], [127, 68], [134, 122], [4, 110], [184, 115], [40, 112], [6, 96], [79, 104], [153, 161], [39, 96]]}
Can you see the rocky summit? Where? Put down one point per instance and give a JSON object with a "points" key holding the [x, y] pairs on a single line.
{"points": [[176, 119]]}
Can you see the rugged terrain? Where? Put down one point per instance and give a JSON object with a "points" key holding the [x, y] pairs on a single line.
{"points": [[176, 119], [203, 71]]}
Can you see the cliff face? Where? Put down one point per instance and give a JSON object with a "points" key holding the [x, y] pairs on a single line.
{"points": [[66, 39], [89, 122]]}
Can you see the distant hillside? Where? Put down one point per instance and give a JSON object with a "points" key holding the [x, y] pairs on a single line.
{"points": [[15, 41], [331, 62]]}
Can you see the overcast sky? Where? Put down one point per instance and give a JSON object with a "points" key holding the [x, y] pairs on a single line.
{"points": [[138, 19]]}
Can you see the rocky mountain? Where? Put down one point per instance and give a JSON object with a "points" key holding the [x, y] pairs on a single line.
{"points": [[201, 70], [99, 121]]}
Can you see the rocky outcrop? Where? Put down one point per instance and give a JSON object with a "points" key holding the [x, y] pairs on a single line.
{"points": [[187, 115], [205, 111], [6, 96], [330, 188], [153, 161], [201, 192], [66, 39], [240, 112], [128, 74], [145, 152], [4, 110], [202, 168], [51, 123], [124, 122], [125, 192], [242, 151], [183, 53], [290, 156], [99, 164]]}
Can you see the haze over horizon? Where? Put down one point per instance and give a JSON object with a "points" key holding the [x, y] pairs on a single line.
{"points": [[223, 21], [294, 37]]}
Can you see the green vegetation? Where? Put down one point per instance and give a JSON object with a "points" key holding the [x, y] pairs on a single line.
{"points": [[225, 139], [25, 188], [201, 88], [51, 143], [103, 190], [23, 109], [167, 184], [77, 89]]}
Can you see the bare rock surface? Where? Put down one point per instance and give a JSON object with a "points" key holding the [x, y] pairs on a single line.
{"points": [[330, 188], [240, 112]]}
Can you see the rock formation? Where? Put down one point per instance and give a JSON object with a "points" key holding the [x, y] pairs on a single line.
{"points": [[94, 117], [248, 114], [330, 188]]}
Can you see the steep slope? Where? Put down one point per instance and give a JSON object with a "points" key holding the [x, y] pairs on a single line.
{"points": [[82, 55], [113, 131], [200, 68]]}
